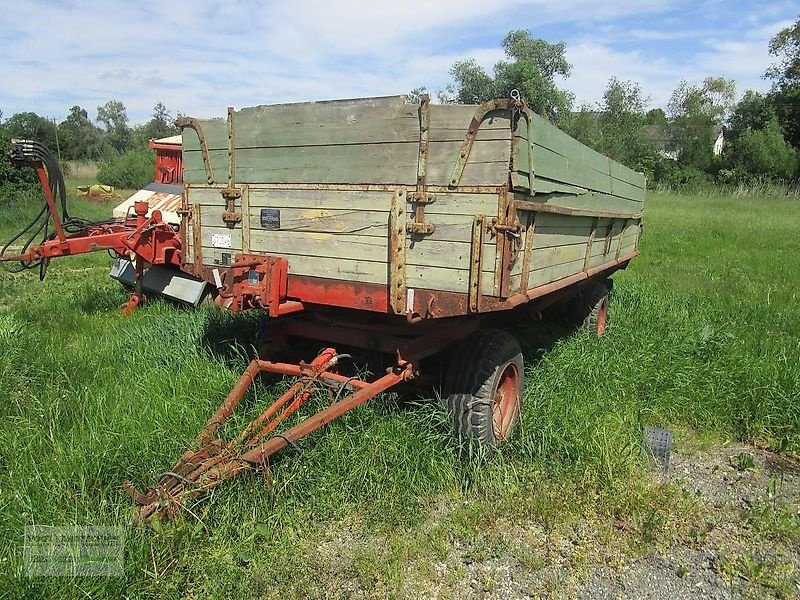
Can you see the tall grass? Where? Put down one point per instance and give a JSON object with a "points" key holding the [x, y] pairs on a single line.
{"points": [[755, 189], [705, 338]]}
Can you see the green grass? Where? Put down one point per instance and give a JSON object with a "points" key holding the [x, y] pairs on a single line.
{"points": [[705, 338]]}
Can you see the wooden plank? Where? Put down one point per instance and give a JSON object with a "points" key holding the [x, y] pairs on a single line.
{"points": [[546, 135], [363, 121], [595, 201], [622, 173], [556, 255], [548, 274], [447, 203], [446, 280], [456, 228], [558, 207], [548, 220], [390, 163], [453, 255], [568, 170]]}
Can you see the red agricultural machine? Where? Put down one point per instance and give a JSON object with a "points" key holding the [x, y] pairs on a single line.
{"points": [[372, 225]]}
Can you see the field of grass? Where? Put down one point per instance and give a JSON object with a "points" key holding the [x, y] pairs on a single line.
{"points": [[704, 338]]}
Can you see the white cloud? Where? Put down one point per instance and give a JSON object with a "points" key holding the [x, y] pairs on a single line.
{"points": [[199, 56]]}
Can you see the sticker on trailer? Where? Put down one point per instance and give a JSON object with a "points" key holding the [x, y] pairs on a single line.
{"points": [[221, 240], [271, 219], [410, 299]]}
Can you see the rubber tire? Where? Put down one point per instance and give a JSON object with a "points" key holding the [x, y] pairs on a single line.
{"points": [[471, 384], [592, 307]]}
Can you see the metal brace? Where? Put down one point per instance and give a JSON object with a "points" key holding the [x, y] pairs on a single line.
{"points": [[193, 123], [420, 198], [231, 193]]}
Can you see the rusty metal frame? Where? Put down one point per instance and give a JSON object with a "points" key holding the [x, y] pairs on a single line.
{"points": [[589, 243], [193, 123], [421, 196], [619, 239], [530, 231], [521, 111], [197, 239], [476, 262], [397, 252], [466, 147], [231, 193], [210, 460], [245, 218]]}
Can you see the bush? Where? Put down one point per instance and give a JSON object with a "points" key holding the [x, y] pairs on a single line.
{"points": [[765, 153], [670, 174], [131, 170], [12, 179]]}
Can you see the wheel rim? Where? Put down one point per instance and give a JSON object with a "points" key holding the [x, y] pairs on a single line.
{"points": [[602, 316], [506, 402]]}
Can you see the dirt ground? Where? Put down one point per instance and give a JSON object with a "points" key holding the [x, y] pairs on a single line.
{"points": [[746, 498]]}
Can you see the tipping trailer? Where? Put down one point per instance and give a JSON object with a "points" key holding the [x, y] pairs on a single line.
{"points": [[393, 227]]}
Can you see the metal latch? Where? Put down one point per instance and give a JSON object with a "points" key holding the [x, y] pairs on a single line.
{"points": [[230, 216], [419, 200]]}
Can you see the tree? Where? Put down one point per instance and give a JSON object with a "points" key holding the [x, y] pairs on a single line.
{"points": [[622, 125], [694, 110], [753, 112], [161, 124], [657, 117], [785, 75], [786, 47], [532, 68], [764, 153], [584, 126], [30, 126], [415, 95], [114, 118], [78, 136]]}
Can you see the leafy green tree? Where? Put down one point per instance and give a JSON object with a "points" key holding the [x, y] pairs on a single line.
{"points": [[657, 117], [622, 125], [12, 179], [78, 136], [415, 95], [694, 110], [753, 112], [764, 152], [531, 69], [786, 47], [30, 126], [161, 124], [785, 75], [584, 126], [616, 127], [114, 118]]}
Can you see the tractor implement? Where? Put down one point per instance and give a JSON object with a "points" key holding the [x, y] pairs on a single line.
{"points": [[146, 240]]}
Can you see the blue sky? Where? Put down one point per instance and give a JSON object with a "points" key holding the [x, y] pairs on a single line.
{"points": [[200, 57]]}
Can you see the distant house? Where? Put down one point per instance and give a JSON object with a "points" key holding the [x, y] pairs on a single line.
{"points": [[664, 143]]}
